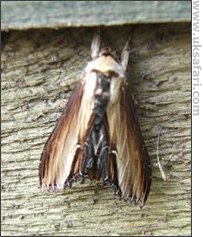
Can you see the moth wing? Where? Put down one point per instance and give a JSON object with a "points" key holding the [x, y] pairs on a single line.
{"points": [[61, 156], [132, 161]]}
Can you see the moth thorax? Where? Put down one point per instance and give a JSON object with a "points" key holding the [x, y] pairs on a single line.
{"points": [[101, 95]]}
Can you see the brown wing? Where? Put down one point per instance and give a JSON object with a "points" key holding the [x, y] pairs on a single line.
{"points": [[63, 144], [132, 161]]}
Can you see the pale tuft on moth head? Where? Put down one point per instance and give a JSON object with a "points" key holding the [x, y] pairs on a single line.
{"points": [[108, 59]]}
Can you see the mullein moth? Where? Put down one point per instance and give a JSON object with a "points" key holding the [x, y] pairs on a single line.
{"points": [[98, 134]]}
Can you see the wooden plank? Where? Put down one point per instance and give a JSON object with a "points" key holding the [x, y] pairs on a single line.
{"points": [[39, 69], [53, 14]]}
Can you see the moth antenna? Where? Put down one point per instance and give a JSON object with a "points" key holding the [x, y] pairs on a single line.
{"points": [[125, 53], [95, 46]]}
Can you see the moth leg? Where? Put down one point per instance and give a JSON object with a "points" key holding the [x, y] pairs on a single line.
{"points": [[102, 163], [88, 155], [87, 162], [112, 180]]}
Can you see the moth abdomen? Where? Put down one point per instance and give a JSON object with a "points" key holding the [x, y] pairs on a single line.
{"points": [[95, 150]]}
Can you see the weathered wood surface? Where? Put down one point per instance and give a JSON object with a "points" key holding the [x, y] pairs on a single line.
{"points": [[55, 14], [39, 69]]}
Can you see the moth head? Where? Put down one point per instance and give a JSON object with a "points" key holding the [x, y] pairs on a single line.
{"points": [[106, 61]]}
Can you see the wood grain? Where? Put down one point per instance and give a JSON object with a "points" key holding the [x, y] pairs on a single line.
{"points": [[57, 14], [39, 68]]}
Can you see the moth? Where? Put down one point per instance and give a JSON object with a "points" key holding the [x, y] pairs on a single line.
{"points": [[98, 134]]}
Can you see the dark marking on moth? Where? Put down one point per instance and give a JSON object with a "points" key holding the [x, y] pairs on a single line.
{"points": [[96, 146], [96, 151]]}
